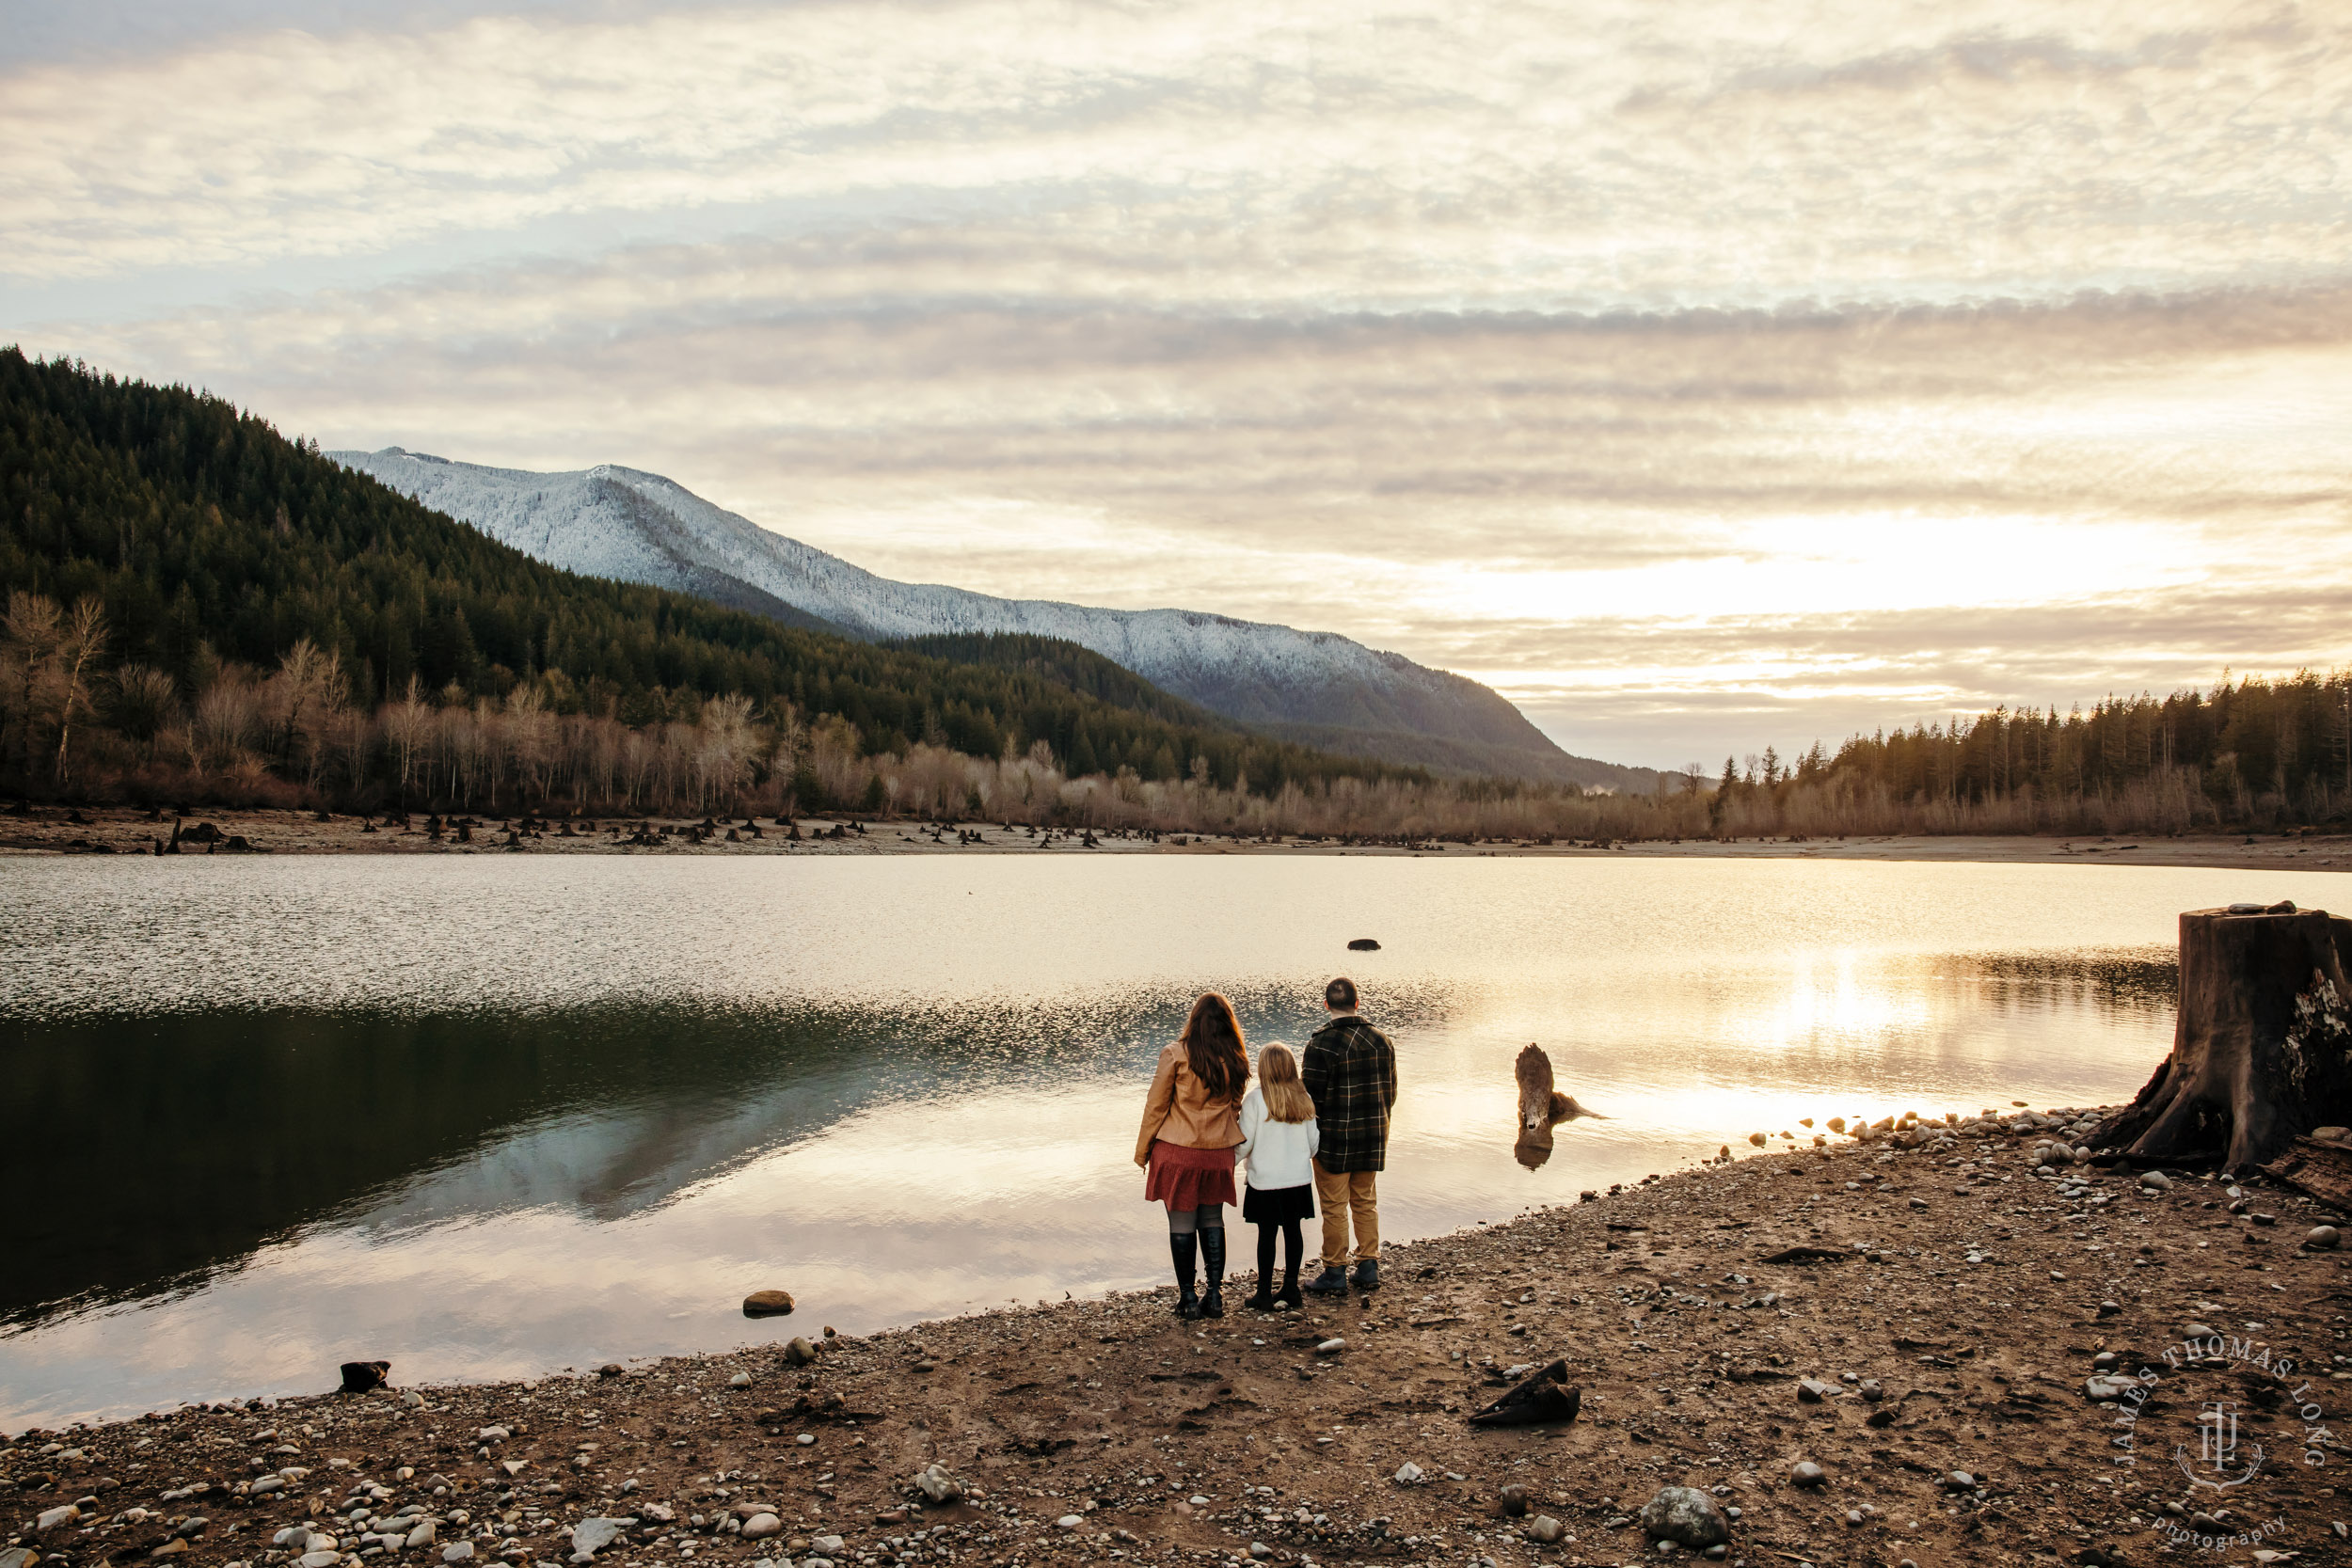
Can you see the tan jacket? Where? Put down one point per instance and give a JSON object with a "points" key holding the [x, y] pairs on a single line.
{"points": [[1179, 1111]]}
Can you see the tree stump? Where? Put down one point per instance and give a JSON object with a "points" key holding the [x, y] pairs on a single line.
{"points": [[2263, 1048]]}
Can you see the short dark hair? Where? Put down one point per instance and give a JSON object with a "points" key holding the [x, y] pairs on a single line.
{"points": [[1341, 993]]}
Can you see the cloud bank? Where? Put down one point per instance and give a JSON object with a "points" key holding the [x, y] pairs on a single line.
{"points": [[1699, 376]]}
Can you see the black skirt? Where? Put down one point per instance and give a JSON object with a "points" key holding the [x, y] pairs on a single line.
{"points": [[1262, 1206]]}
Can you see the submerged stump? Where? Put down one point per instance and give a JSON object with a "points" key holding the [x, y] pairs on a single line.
{"points": [[2263, 1048]]}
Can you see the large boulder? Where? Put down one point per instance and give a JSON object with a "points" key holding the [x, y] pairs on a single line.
{"points": [[1686, 1516]]}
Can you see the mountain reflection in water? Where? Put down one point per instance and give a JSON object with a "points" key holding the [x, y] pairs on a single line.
{"points": [[894, 1101]]}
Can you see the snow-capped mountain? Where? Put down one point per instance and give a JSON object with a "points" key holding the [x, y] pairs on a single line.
{"points": [[1317, 688]]}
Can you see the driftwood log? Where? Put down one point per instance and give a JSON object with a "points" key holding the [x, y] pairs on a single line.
{"points": [[2263, 1047], [2322, 1170], [1534, 1400]]}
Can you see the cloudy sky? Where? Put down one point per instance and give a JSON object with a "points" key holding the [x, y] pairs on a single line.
{"points": [[1699, 374]]}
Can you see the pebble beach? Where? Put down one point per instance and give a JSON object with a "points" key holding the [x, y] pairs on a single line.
{"points": [[1945, 1341]]}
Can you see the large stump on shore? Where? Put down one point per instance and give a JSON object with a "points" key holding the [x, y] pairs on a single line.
{"points": [[2262, 1050]]}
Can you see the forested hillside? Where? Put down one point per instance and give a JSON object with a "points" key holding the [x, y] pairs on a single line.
{"points": [[195, 599], [2249, 753]]}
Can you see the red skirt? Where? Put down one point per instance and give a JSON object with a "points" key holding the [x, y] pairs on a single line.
{"points": [[1188, 1178]]}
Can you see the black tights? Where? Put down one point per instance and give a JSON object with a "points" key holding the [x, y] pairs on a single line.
{"points": [[1291, 1250]]}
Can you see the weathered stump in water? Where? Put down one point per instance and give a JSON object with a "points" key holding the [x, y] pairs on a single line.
{"points": [[2263, 1048]]}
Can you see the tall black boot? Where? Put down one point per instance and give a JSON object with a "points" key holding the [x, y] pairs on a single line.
{"points": [[1291, 1246], [1262, 1299], [1180, 1248], [1212, 1262]]}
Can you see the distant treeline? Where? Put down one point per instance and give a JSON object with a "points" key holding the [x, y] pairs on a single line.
{"points": [[198, 609], [2248, 753], [163, 552]]}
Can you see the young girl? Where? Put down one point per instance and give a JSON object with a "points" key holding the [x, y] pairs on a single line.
{"points": [[1278, 1138]]}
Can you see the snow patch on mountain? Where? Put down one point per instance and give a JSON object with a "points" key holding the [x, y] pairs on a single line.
{"points": [[615, 522]]}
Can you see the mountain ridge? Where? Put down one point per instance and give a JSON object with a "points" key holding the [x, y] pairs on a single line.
{"points": [[613, 521]]}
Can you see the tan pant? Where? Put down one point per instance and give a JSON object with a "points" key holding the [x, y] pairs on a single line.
{"points": [[1339, 1194]]}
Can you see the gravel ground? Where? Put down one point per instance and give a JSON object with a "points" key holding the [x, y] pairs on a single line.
{"points": [[1931, 1354]]}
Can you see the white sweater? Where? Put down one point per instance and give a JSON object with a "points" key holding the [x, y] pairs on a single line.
{"points": [[1281, 1154]]}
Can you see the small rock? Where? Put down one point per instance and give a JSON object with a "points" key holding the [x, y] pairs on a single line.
{"points": [[1871, 1391], [1808, 1474], [1408, 1473], [938, 1486], [1757, 1139], [426, 1534], [1918, 1203], [799, 1353], [1514, 1500], [1544, 1527], [740, 1380], [591, 1536], [18, 1557], [1686, 1516], [456, 1551], [2325, 1237], [2109, 1309], [2155, 1180], [760, 1525], [52, 1518], [1331, 1347], [2102, 1389], [173, 1547], [767, 1303], [323, 1560], [1068, 1521], [1960, 1480], [1260, 1551], [1812, 1390], [828, 1544], [611, 1368], [492, 1435]]}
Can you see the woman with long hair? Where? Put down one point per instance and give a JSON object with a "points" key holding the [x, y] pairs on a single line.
{"points": [[1191, 1125]]}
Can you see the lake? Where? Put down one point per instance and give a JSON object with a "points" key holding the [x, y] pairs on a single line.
{"points": [[496, 1117]]}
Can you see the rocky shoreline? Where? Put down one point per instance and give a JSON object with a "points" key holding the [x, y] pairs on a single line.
{"points": [[1921, 1345], [28, 830]]}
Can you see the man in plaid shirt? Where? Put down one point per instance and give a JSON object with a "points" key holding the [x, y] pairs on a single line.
{"points": [[1350, 1072]]}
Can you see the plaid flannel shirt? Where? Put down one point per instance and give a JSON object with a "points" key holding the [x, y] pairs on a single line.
{"points": [[1350, 1072]]}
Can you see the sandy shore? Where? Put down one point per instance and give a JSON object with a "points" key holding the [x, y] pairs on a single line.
{"points": [[105, 831], [1945, 1320]]}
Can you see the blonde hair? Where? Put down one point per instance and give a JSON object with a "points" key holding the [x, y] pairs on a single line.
{"points": [[1286, 1097]]}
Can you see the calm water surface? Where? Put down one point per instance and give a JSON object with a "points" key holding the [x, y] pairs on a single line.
{"points": [[493, 1116]]}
